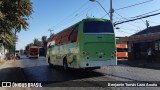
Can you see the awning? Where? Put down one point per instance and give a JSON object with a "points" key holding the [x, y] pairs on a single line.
{"points": [[146, 41], [142, 38]]}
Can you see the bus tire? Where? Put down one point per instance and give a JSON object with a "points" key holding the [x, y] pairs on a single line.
{"points": [[49, 62], [65, 65]]}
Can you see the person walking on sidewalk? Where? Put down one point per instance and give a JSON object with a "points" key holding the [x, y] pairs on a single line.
{"points": [[149, 53]]}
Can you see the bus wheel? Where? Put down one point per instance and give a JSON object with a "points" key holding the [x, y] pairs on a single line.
{"points": [[65, 65], [50, 64]]}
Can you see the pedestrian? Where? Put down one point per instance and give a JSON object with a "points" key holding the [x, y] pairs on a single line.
{"points": [[149, 53]]}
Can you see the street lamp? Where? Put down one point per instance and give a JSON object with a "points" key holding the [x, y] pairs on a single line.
{"points": [[111, 9]]}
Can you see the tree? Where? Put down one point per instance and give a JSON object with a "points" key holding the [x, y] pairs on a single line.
{"points": [[13, 17], [44, 40], [36, 42], [14, 13], [27, 47]]}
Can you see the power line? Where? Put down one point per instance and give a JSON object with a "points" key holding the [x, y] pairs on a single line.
{"points": [[137, 18], [73, 13], [126, 19], [104, 15], [80, 14], [138, 15], [72, 18], [77, 15], [153, 22], [134, 5], [124, 31], [121, 16], [103, 8], [146, 13], [130, 29]]}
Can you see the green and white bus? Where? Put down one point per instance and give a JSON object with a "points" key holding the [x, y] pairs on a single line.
{"points": [[89, 43]]}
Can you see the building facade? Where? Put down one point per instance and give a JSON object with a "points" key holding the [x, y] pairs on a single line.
{"points": [[139, 43]]}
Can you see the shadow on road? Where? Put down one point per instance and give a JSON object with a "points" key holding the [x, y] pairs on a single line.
{"points": [[47, 75], [12, 74]]}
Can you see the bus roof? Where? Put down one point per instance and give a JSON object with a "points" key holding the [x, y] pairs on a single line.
{"points": [[96, 19], [87, 19]]}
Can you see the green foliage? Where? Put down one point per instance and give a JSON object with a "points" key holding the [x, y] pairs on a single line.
{"points": [[14, 13], [36, 42], [13, 16], [44, 40]]}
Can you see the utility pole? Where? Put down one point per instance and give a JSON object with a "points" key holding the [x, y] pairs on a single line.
{"points": [[50, 31], [111, 11], [147, 23]]}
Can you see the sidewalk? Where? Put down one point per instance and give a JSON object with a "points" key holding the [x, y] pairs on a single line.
{"points": [[2, 62], [141, 63]]}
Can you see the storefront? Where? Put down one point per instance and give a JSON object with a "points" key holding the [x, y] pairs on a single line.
{"points": [[139, 43]]}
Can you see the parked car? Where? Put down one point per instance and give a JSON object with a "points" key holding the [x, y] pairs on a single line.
{"points": [[17, 54]]}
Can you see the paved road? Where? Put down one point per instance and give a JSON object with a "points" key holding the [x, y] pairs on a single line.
{"points": [[38, 70], [132, 73], [10, 71]]}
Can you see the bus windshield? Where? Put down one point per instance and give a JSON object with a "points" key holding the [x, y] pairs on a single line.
{"points": [[97, 27]]}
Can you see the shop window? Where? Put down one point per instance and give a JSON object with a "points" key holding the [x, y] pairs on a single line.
{"points": [[157, 46]]}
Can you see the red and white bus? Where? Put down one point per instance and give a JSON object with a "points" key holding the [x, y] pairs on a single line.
{"points": [[33, 52]]}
